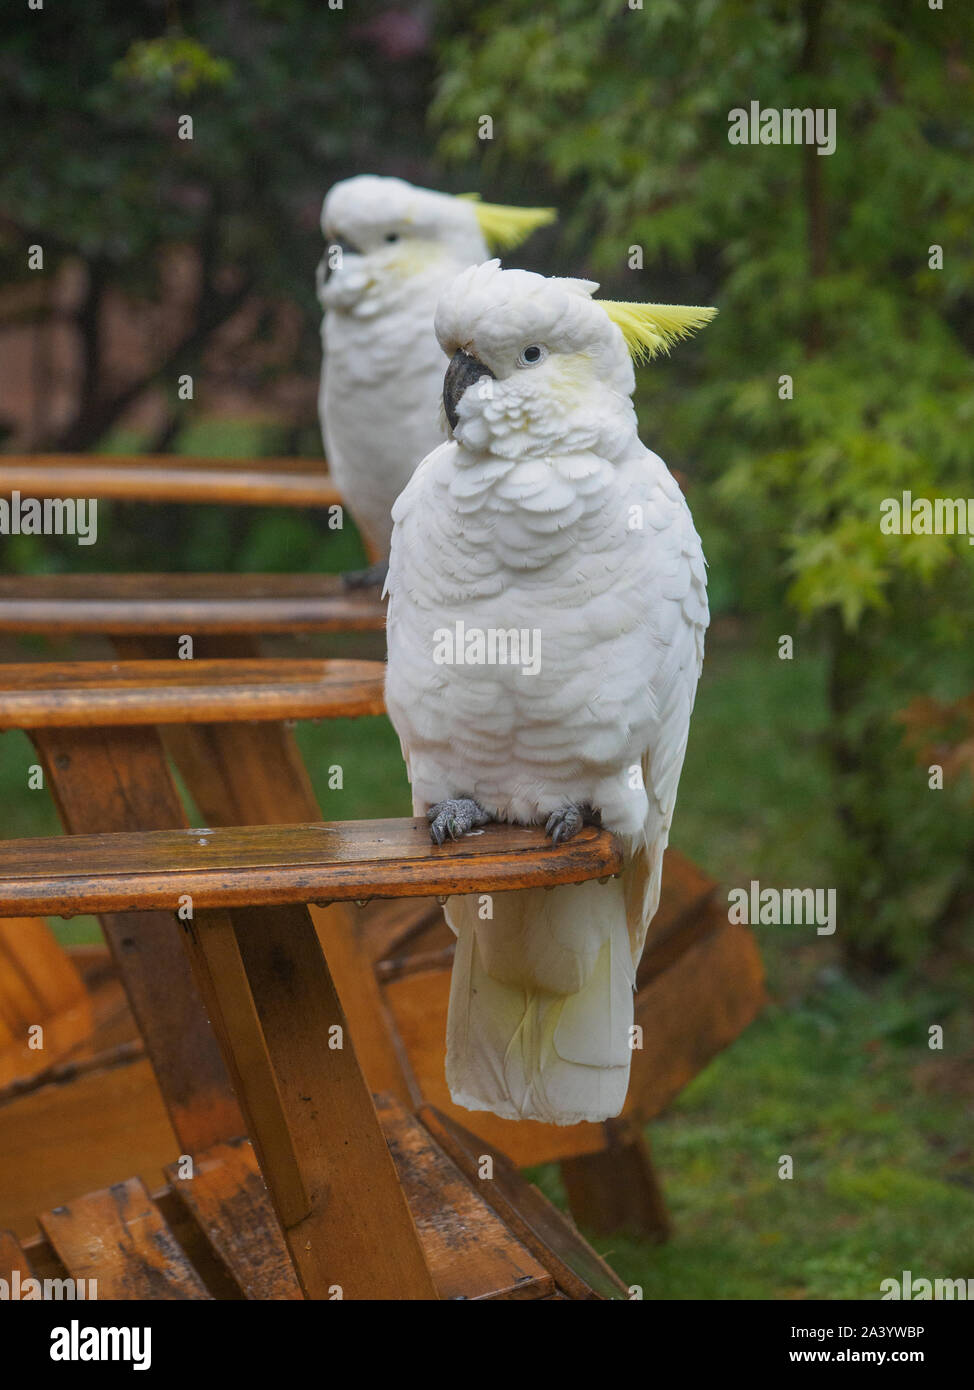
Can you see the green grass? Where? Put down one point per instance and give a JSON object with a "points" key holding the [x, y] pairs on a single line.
{"points": [[844, 1083], [751, 791]]}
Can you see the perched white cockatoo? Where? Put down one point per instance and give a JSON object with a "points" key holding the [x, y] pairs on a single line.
{"points": [[392, 250], [546, 516]]}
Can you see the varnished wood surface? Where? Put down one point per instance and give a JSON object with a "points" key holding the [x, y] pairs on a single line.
{"points": [[64, 1140], [171, 462], [112, 781], [215, 1234], [253, 774], [226, 1197], [197, 604], [618, 1190], [470, 1252], [328, 1170], [119, 1237], [13, 1260], [578, 1271], [89, 694], [266, 482], [262, 865], [39, 985]]}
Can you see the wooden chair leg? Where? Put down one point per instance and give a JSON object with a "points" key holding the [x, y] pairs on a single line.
{"points": [[114, 780], [310, 1115], [618, 1189]]}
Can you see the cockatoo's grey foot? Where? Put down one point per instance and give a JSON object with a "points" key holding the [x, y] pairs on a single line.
{"points": [[455, 817], [374, 576], [569, 819]]}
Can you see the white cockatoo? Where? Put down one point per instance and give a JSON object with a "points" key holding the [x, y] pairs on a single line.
{"points": [[545, 520], [391, 251]]}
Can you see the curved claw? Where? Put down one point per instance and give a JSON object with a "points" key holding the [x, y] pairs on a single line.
{"points": [[568, 820], [454, 817]]}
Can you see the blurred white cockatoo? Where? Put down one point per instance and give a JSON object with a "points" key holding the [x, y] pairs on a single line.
{"points": [[545, 518], [392, 250]]}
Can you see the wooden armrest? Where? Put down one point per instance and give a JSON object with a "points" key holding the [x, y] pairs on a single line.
{"points": [[251, 866], [87, 694], [193, 603], [171, 478]]}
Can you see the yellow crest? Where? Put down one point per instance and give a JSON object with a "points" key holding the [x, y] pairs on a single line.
{"points": [[653, 328], [506, 227]]}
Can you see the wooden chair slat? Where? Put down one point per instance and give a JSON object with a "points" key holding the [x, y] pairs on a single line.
{"points": [[186, 603], [264, 865], [88, 694], [13, 1259], [231, 1008], [119, 1237], [577, 1270], [229, 1202], [37, 978], [131, 463], [470, 1253], [162, 478]]}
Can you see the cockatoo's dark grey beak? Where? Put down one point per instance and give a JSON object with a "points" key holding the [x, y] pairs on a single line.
{"points": [[462, 372], [325, 268]]}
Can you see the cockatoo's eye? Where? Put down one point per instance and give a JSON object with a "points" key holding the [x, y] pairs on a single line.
{"points": [[531, 355], [392, 236]]}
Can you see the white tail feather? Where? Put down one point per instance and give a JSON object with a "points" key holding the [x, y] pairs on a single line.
{"points": [[541, 1004]]}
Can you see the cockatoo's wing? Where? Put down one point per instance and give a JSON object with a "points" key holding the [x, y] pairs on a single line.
{"points": [[677, 599]]}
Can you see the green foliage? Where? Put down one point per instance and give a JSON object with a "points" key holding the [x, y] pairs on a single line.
{"points": [[819, 265], [178, 64], [285, 98], [624, 114]]}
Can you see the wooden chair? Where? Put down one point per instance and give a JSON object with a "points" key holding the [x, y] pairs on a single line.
{"points": [[222, 610], [705, 982], [278, 482], [372, 1202], [700, 980]]}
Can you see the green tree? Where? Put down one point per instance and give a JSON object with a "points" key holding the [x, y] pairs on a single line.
{"points": [[285, 97], [822, 269]]}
